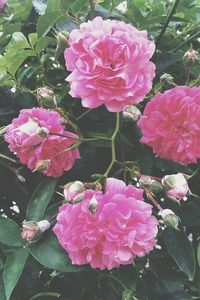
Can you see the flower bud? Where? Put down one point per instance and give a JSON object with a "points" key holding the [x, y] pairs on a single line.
{"points": [[167, 79], [146, 182], [74, 191], [131, 113], [42, 165], [190, 57], [93, 205], [32, 230], [169, 218], [42, 132], [62, 39], [176, 186], [46, 97]]}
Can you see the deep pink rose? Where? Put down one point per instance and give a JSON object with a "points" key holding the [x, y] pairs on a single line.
{"points": [[56, 150], [32, 137], [171, 124], [109, 61], [120, 227]]}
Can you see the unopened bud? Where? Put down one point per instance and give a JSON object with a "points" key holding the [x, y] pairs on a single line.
{"points": [[190, 57], [93, 205], [169, 218], [3, 130], [62, 38], [154, 186], [32, 230], [131, 113], [176, 186], [46, 97], [167, 79], [42, 165], [74, 191], [42, 132]]}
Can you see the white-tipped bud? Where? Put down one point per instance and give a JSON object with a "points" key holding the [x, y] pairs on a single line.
{"points": [[42, 165], [190, 57], [131, 113], [74, 191], [46, 97], [146, 182], [169, 218], [93, 205], [167, 79], [176, 186], [43, 225]]}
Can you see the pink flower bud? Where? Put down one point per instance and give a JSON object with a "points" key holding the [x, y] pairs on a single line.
{"points": [[93, 205], [147, 183], [74, 191], [190, 57], [131, 113], [176, 186], [46, 97], [32, 230]]}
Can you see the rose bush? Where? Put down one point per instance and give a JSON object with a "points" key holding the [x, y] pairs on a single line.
{"points": [[99, 150]]}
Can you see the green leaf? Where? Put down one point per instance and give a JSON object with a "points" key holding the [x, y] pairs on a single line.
{"points": [[40, 6], [48, 20], [49, 253], [13, 268], [43, 43], [10, 233], [40, 200], [181, 250], [167, 60], [2, 291]]}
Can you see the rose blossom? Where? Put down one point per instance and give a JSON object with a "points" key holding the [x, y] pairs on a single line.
{"points": [[171, 124], [120, 227], [31, 137], [110, 64]]}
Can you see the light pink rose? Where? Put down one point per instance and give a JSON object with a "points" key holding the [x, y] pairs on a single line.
{"points": [[120, 227], [32, 137], [171, 124], [110, 64]]}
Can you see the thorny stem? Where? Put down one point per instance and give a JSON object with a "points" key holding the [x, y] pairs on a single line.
{"points": [[170, 15], [194, 36], [113, 150], [155, 203], [187, 75], [45, 294], [83, 114]]}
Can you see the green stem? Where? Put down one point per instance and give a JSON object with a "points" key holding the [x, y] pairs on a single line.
{"points": [[8, 158], [45, 294], [111, 276], [187, 75], [83, 114], [113, 150], [171, 13], [186, 41], [92, 8]]}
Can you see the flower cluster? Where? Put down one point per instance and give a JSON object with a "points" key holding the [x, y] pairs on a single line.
{"points": [[171, 125], [110, 64], [119, 227], [37, 137]]}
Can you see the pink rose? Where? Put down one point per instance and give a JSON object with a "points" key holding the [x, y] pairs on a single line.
{"points": [[110, 64], [108, 229], [170, 124], [57, 151], [33, 138]]}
